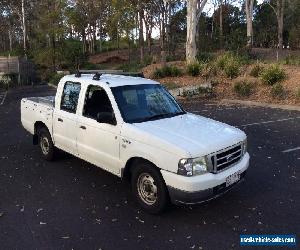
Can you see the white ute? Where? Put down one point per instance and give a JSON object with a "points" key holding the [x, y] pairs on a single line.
{"points": [[133, 128]]}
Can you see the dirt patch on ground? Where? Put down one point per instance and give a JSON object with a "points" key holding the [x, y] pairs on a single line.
{"points": [[110, 57], [223, 86]]}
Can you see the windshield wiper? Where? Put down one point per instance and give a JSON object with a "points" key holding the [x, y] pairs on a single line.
{"points": [[179, 113], [159, 116], [153, 117]]}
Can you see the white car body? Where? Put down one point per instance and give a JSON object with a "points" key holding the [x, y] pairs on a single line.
{"points": [[163, 142]]}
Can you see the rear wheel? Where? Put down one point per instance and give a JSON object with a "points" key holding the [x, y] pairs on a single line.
{"points": [[46, 144], [149, 187]]}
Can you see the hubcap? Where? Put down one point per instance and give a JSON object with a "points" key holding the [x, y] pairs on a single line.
{"points": [[44, 143], [147, 189]]}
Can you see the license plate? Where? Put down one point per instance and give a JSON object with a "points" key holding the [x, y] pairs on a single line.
{"points": [[233, 178]]}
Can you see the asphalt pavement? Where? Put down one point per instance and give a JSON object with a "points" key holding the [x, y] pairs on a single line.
{"points": [[71, 204]]}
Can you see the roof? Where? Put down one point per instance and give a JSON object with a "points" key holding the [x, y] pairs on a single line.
{"points": [[111, 79]]}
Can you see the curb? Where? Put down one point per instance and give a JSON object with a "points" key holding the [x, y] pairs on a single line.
{"points": [[262, 104]]}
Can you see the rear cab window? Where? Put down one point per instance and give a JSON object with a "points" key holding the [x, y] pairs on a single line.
{"points": [[70, 95]]}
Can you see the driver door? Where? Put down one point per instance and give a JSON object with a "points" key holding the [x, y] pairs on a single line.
{"points": [[98, 143]]}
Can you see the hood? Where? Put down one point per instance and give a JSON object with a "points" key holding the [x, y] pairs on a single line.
{"points": [[194, 134]]}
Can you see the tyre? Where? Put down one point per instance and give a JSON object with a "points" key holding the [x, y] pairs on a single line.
{"points": [[149, 187], [46, 144]]}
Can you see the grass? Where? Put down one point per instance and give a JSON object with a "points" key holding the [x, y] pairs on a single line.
{"points": [[273, 74], [205, 57], [167, 71], [292, 60], [171, 85], [230, 64], [256, 70], [277, 90], [131, 67], [232, 69], [194, 69], [243, 88]]}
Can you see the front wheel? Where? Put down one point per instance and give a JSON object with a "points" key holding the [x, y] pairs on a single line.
{"points": [[46, 144], [149, 188]]}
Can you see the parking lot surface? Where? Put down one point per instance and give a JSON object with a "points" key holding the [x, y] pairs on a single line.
{"points": [[71, 204]]}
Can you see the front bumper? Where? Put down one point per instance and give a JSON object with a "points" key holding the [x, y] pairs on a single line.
{"points": [[188, 198], [198, 189]]}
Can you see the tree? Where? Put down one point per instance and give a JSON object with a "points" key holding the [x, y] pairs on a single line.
{"points": [[194, 10], [249, 17], [279, 12]]}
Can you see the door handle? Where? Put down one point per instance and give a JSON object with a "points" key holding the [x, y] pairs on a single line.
{"points": [[82, 127], [60, 120]]}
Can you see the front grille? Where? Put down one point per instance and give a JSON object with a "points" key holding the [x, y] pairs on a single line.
{"points": [[225, 158]]}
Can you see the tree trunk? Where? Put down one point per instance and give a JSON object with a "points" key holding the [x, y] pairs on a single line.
{"points": [[191, 50], [100, 35], [168, 26], [149, 41], [162, 37], [221, 23], [10, 40], [83, 41], [280, 11], [249, 16], [24, 29], [141, 34]]}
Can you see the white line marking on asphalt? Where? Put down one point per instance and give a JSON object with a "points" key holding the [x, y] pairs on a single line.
{"points": [[218, 109], [3, 99], [290, 150], [196, 111], [266, 122]]}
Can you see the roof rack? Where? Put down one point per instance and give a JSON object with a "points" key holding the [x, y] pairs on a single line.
{"points": [[98, 73]]}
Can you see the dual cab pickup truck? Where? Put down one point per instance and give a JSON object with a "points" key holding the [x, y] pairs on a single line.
{"points": [[133, 128]]}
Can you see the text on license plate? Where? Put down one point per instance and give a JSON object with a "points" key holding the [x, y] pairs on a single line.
{"points": [[233, 178]]}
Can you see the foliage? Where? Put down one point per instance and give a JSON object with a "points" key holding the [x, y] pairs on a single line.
{"points": [[205, 57], [232, 69], [277, 90], [292, 60], [256, 70], [222, 60], [209, 69], [8, 80], [167, 71], [273, 74], [243, 88], [171, 85], [194, 69], [131, 67], [56, 78], [147, 60], [89, 66]]}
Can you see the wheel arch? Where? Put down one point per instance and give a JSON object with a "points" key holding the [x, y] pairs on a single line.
{"points": [[38, 125], [126, 171]]}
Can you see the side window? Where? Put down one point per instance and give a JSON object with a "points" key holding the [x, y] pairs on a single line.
{"points": [[96, 101], [70, 95]]}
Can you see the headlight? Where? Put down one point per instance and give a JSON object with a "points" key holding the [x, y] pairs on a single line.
{"points": [[190, 167], [244, 147]]}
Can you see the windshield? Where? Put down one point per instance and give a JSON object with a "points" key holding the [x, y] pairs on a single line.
{"points": [[145, 102]]}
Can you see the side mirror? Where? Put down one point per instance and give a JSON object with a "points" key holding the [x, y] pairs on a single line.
{"points": [[106, 117]]}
